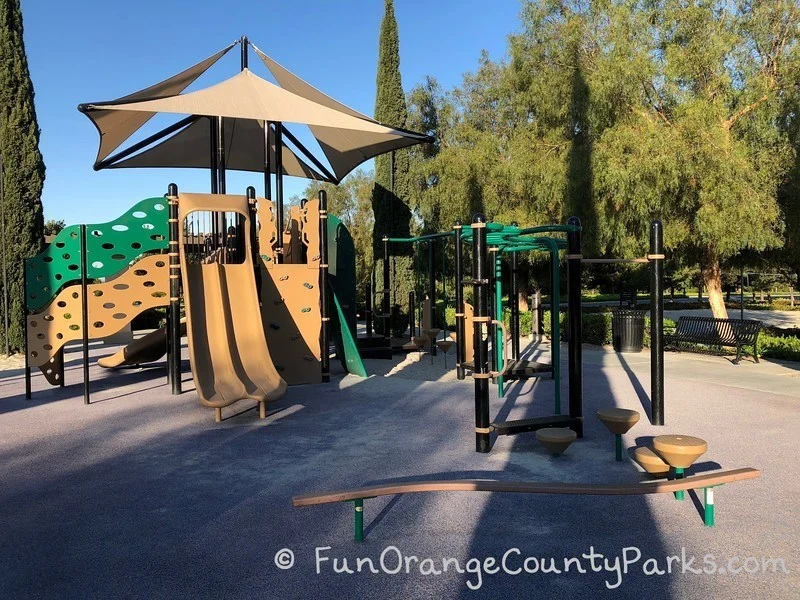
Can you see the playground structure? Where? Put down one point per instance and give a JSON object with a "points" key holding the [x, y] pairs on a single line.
{"points": [[133, 266], [251, 279], [480, 328]]}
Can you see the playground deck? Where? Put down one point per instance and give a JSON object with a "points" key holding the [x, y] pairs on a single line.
{"points": [[141, 494]]}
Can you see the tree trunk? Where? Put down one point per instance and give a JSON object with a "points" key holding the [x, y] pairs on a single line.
{"points": [[522, 301], [712, 278]]}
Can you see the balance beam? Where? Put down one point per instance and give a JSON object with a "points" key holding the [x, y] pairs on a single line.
{"points": [[706, 482]]}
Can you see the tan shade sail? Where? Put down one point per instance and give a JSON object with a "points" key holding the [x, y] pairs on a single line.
{"points": [[289, 81], [349, 140], [115, 127], [344, 150], [244, 150]]}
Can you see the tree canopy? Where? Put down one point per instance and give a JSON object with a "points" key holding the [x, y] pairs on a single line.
{"points": [[622, 111], [23, 172]]}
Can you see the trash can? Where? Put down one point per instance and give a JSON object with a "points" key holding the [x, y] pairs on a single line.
{"points": [[627, 329]]}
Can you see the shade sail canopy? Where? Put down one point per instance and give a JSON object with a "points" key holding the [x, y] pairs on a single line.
{"points": [[344, 150], [245, 102], [244, 150], [115, 127], [347, 140]]}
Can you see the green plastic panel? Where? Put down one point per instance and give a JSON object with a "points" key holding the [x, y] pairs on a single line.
{"points": [[342, 269], [345, 342], [111, 247]]}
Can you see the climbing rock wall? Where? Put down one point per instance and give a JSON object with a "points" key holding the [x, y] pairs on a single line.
{"points": [[290, 301], [112, 305]]}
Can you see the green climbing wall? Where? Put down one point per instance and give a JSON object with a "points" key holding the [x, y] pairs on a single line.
{"points": [[110, 247]]}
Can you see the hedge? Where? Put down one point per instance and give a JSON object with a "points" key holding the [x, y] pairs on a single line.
{"points": [[772, 343]]}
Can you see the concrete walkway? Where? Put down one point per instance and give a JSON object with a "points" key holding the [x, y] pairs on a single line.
{"points": [[142, 495]]}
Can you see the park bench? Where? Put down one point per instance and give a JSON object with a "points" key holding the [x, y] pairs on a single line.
{"points": [[733, 333], [706, 482]]}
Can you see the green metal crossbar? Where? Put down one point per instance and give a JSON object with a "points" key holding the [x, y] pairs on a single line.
{"points": [[110, 248]]}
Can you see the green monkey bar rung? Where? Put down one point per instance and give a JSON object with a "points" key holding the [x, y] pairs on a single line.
{"points": [[110, 246]]}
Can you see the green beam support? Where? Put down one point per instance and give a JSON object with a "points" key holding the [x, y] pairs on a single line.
{"points": [[499, 342], [708, 516], [679, 475], [358, 519], [618, 437]]}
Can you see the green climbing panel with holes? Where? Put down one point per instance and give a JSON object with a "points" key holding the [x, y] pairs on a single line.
{"points": [[111, 247]]}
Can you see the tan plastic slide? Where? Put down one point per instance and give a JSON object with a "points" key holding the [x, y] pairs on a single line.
{"points": [[228, 350], [145, 350]]}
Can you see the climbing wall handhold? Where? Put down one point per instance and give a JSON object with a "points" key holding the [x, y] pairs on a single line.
{"points": [[308, 286]]}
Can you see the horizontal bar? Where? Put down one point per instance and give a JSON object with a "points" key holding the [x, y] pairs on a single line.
{"points": [[605, 261]]}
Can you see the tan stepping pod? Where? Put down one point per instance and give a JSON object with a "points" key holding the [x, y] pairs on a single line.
{"points": [[431, 334], [411, 346], [679, 451], [556, 439], [618, 420], [420, 341], [650, 461], [445, 345]]}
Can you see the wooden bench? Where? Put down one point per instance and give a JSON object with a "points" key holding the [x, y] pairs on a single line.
{"points": [[733, 333], [705, 482]]}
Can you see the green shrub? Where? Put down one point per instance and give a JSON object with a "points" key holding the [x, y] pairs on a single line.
{"points": [[597, 327], [782, 348]]}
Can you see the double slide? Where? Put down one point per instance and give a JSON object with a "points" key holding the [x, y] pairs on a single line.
{"points": [[228, 349]]}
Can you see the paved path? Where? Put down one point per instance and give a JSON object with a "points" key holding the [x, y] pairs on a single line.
{"points": [[142, 495]]}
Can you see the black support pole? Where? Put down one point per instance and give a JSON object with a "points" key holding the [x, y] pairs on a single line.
{"points": [[656, 323], [324, 335], [480, 289], [412, 325], [432, 288], [221, 154], [267, 163], [513, 298], [253, 212], [212, 124], [575, 341], [459, 267], [85, 314], [387, 334], [174, 365], [245, 44], [219, 219], [279, 187], [368, 309], [25, 330]]}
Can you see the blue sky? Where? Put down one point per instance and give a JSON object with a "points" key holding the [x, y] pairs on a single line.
{"points": [[84, 52]]}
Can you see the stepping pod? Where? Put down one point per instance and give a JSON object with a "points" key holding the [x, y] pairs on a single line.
{"points": [[618, 421], [651, 462], [556, 439], [680, 452]]}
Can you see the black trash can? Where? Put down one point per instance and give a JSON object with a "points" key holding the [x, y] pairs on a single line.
{"points": [[627, 329]]}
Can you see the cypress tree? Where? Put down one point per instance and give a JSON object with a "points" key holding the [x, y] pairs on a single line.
{"points": [[390, 196], [23, 173]]}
